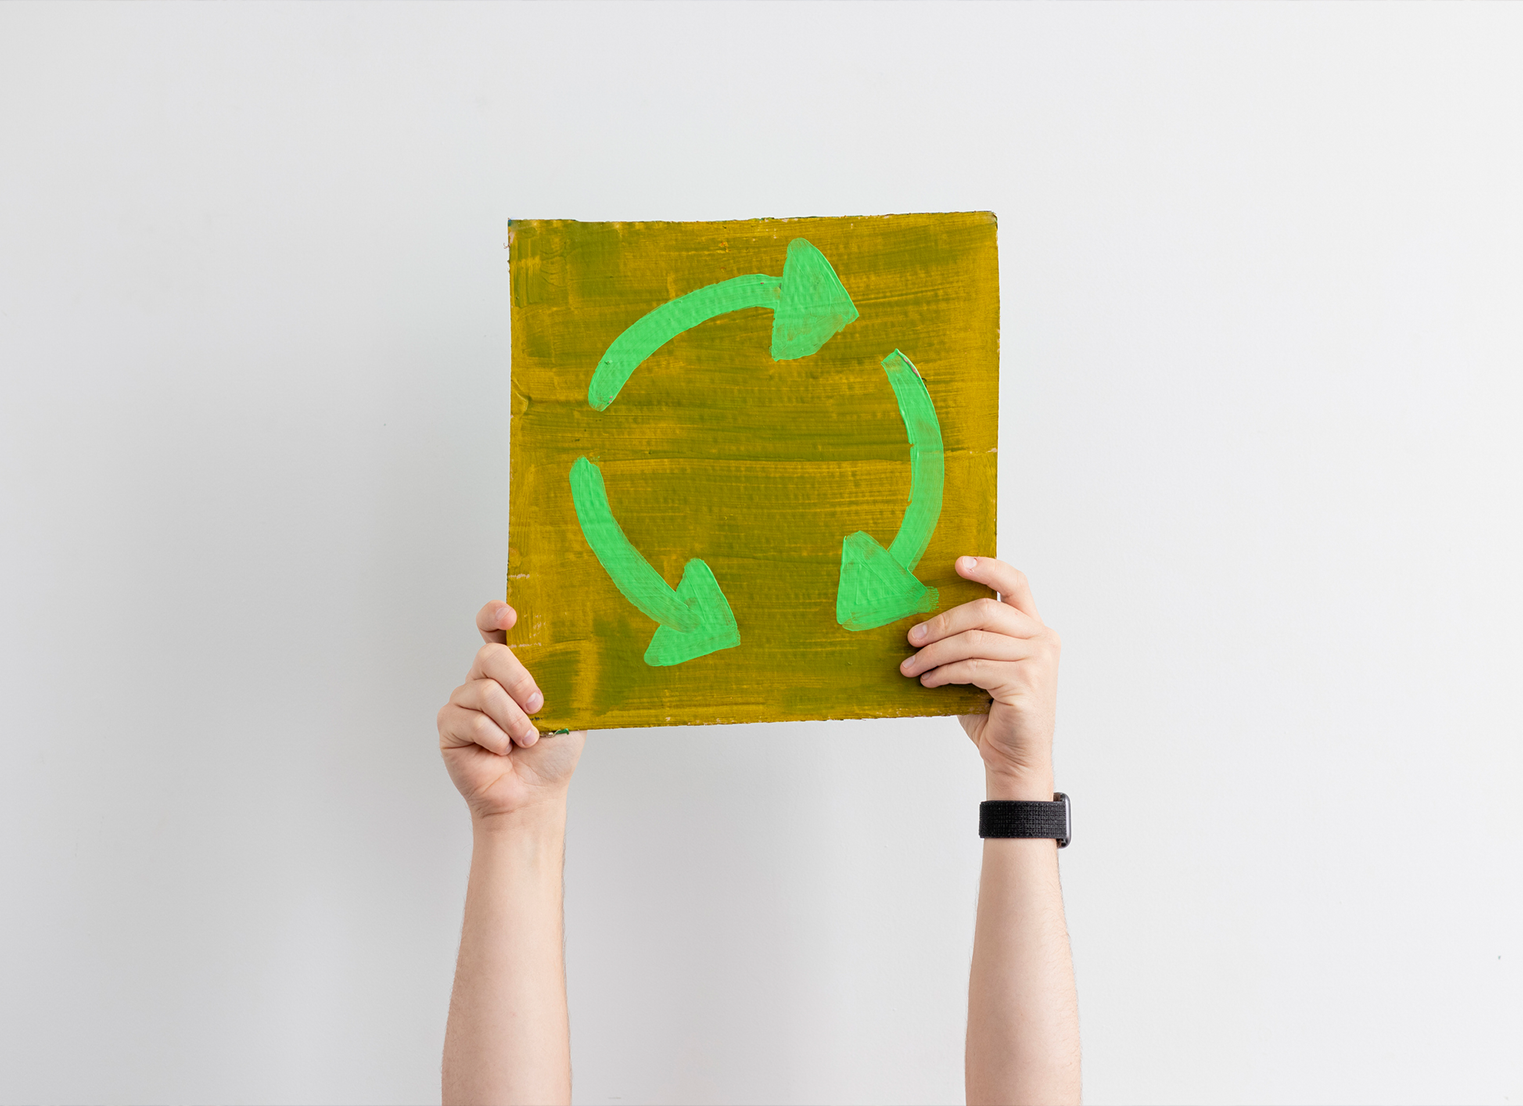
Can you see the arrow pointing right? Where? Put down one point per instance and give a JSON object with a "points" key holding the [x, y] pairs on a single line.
{"points": [[878, 585], [809, 305]]}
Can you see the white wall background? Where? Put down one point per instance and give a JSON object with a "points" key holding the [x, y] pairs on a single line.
{"points": [[1262, 273]]}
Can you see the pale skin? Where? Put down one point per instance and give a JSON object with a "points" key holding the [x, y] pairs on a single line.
{"points": [[507, 1040]]}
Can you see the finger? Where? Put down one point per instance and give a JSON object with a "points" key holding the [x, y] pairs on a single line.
{"points": [[497, 662], [977, 671], [495, 620], [970, 643], [1008, 581], [981, 614], [488, 697], [459, 727]]}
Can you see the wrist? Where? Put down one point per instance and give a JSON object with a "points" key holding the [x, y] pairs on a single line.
{"points": [[543, 818], [1034, 783]]}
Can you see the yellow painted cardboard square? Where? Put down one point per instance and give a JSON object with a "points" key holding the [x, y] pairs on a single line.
{"points": [[761, 468]]}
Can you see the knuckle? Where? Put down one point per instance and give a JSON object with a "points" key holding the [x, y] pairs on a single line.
{"points": [[512, 716], [482, 730], [505, 708], [987, 607], [519, 682], [492, 696]]}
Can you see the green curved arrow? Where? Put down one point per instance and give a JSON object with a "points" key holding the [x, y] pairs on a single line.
{"points": [[809, 305], [878, 585], [695, 618]]}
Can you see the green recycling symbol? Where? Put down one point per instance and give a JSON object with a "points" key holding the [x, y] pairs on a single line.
{"points": [[877, 585]]}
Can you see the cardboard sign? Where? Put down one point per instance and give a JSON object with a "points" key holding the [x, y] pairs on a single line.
{"points": [[745, 456]]}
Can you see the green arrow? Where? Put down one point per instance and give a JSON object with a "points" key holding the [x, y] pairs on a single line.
{"points": [[878, 585], [695, 618], [808, 302]]}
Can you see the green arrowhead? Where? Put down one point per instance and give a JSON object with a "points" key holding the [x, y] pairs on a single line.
{"points": [[876, 589], [699, 591], [813, 307]]}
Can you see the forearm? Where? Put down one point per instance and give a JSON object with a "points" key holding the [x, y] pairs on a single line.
{"points": [[1023, 1020], [508, 1039]]}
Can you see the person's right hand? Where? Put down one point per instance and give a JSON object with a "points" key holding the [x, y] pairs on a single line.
{"points": [[496, 757]]}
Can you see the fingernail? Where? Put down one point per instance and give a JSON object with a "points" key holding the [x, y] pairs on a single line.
{"points": [[534, 701], [905, 665], [917, 632], [967, 564]]}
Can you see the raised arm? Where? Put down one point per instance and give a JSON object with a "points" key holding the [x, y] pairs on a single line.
{"points": [[1023, 1018], [508, 1040]]}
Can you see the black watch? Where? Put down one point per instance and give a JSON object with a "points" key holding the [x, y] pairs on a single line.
{"points": [[1027, 818]]}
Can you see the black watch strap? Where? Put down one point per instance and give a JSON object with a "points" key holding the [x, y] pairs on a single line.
{"points": [[1027, 818]]}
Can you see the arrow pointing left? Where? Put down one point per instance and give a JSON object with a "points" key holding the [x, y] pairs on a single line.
{"points": [[695, 617]]}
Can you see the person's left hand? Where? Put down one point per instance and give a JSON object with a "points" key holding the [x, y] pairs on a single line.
{"points": [[1002, 646]]}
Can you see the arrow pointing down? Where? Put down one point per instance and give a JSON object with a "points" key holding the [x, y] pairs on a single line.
{"points": [[878, 585], [695, 618]]}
